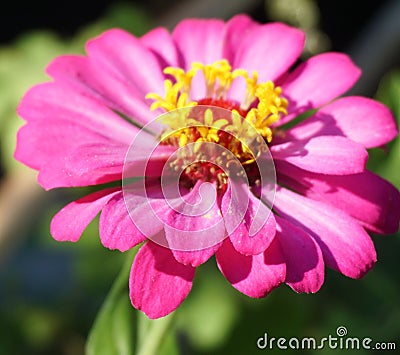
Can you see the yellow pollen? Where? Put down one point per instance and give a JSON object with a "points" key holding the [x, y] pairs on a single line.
{"points": [[262, 104]]}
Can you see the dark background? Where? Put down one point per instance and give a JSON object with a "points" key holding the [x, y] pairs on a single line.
{"points": [[339, 17]]}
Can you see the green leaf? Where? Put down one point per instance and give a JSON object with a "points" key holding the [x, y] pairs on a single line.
{"points": [[389, 91], [120, 329], [156, 336], [114, 329], [384, 162], [209, 314]]}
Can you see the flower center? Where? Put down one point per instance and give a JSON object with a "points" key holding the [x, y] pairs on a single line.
{"points": [[262, 104], [243, 132]]}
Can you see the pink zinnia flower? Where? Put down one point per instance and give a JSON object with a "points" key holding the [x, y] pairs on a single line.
{"points": [[81, 125]]}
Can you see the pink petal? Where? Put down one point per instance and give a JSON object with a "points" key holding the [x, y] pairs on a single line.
{"points": [[150, 203], [345, 245], [194, 236], [256, 275], [158, 283], [147, 205], [162, 219], [323, 154], [92, 164], [269, 49], [98, 163], [161, 43], [69, 153], [84, 76], [237, 29], [76, 140], [70, 222], [146, 157], [199, 40], [241, 210], [51, 102], [77, 72], [365, 196], [361, 119], [122, 55], [192, 257], [117, 231], [39, 143], [303, 257], [318, 81]]}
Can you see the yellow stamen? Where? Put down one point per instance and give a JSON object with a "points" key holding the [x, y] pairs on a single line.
{"points": [[262, 101]]}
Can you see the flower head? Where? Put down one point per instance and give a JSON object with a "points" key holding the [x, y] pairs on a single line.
{"points": [[223, 93]]}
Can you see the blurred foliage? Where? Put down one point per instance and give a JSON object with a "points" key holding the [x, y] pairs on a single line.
{"points": [[22, 65], [50, 292], [386, 161], [305, 15], [210, 303], [114, 330]]}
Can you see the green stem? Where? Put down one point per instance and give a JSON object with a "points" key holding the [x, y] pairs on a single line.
{"points": [[155, 331], [115, 324]]}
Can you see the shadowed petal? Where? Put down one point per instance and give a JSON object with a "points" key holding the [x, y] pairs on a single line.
{"points": [[303, 257], [237, 29], [70, 222], [365, 196], [199, 40], [160, 41], [256, 275], [361, 119], [195, 230], [158, 283], [317, 81], [344, 243], [117, 231], [240, 209], [323, 154], [269, 49]]}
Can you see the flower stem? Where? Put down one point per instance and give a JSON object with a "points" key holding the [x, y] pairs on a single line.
{"points": [[152, 334]]}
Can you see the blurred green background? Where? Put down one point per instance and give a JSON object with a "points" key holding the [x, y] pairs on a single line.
{"points": [[51, 292]]}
